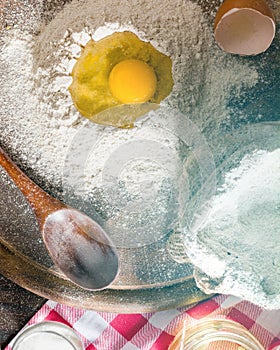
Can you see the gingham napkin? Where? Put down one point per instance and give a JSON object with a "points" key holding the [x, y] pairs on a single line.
{"points": [[155, 331]]}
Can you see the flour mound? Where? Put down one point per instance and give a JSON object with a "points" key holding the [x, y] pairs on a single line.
{"points": [[236, 251]]}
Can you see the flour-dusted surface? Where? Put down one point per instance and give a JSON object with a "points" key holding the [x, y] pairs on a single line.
{"points": [[136, 182], [35, 76]]}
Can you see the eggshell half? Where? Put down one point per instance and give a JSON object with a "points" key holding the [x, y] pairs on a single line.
{"points": [[244, 27]]}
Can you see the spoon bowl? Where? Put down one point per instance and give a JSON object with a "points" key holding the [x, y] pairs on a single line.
{"points": [[81, 248]]}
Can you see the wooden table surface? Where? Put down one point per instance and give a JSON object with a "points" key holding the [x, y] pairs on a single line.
{"points": [[17, 306]]}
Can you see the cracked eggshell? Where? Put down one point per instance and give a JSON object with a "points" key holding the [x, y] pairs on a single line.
{"points": [[244, 27]]}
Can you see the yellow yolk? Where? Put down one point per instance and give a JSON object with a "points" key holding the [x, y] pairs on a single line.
{"points": [[132, 81]]}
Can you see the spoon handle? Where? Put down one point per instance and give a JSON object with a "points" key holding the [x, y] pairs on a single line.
{"points": [[42, 203]]}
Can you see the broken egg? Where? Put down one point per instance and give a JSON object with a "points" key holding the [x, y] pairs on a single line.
{"points": [[120, 78], [244, 27]]}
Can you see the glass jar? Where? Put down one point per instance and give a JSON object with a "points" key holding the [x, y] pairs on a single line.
{"points": [[215, 334], [47, 335]]}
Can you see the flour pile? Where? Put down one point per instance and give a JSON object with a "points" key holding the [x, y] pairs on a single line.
{"points": [[38, 120], [236, 250]]}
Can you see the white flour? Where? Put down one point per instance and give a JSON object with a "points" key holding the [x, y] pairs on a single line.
{"points": [[41, 129], [37, 117], [236, 250]]}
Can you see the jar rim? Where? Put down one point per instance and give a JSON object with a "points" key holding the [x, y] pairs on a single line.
{"points": [[209, 330], [49, 327]]}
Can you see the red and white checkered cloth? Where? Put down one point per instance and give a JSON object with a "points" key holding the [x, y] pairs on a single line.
{"points": [[155, 331]]}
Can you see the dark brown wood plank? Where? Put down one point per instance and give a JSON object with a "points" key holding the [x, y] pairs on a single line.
{"points": [[17, 306]]}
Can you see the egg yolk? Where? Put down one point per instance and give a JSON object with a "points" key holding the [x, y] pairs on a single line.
{"points": [[132, 81]]}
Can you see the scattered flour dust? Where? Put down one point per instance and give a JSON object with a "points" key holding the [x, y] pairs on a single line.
{"points": [[235, 251], [38, 120], [39, 123]]}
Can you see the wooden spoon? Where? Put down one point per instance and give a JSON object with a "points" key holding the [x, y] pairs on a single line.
{"points": [[77, 245]]}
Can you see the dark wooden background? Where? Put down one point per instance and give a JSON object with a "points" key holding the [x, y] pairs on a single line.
{"points": [[17, 306]]}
